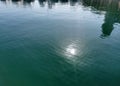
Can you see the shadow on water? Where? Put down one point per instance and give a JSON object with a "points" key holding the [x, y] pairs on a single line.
{"points": [[111, 7]]}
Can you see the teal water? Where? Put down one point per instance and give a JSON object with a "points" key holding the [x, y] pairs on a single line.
{"points": [[59, 43]]}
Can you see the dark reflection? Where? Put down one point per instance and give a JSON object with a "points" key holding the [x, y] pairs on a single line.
{"points": [[112, 16], [43, 2], [110, 20], [22, 2], [111, 7], [53, 2]]}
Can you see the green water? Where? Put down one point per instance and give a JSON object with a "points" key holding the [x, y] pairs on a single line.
{"points": [[59, 43]]}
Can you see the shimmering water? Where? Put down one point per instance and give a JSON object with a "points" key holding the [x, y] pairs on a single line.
{"points": [[59, 43]]}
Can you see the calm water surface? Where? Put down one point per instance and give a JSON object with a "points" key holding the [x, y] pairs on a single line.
{"points": [[59, 43]]}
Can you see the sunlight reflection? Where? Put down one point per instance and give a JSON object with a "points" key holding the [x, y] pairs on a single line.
{"points": [[72, 51]]}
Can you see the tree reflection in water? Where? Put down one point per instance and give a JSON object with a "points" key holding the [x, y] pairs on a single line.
{"points": [[112, 16], [111, 7]]}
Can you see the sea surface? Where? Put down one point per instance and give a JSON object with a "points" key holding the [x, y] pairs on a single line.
{"points": [[59, 42]]}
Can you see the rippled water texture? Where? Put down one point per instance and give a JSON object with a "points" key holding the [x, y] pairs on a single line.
{"points": [[59, 43]]}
